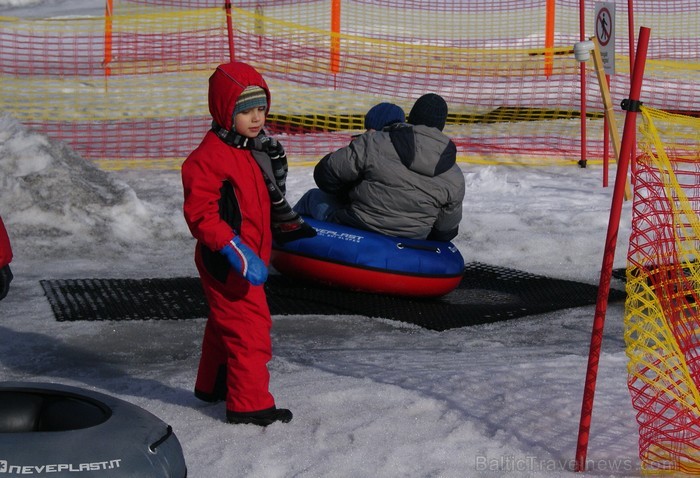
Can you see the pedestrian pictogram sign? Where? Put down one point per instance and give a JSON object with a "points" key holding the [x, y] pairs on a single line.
{"points": [[605, 34]]}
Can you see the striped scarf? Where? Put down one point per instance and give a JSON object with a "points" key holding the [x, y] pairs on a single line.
{"points": [[287, 224]]}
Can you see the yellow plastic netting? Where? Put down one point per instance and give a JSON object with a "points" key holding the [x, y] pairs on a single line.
{"points": [[127, 84], [662, 316]]}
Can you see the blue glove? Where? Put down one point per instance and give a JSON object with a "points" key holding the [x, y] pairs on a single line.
{"points": [[245, 261]]}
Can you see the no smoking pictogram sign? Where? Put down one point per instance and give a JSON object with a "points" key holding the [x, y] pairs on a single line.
{"points": [[603, 26]]}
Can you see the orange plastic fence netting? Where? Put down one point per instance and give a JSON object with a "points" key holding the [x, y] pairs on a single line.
{"points": [[127, 84], [662, 314]]}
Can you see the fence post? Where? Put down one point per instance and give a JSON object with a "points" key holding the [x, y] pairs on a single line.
{"points": [[628, 139], [229, 28], [108, 38], [335, 36]]}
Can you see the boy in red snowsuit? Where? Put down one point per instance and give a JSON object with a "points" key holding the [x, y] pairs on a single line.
{"points": [[228, 196]]}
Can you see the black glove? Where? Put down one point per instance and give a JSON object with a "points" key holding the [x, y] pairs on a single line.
{"points": [[5, 279], [292, 231]]}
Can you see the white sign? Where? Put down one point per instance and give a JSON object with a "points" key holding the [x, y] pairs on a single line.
{"points": [[605, 33]]}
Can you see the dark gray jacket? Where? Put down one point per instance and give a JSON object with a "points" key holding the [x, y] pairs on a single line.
{"points": [[403, 181]]}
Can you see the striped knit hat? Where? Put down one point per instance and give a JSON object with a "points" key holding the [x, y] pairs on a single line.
{"points": [[252, 97]]}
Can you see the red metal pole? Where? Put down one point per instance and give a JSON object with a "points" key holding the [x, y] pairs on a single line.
{"points": [[335, 36], [335, 40], [229, 27], [582, 37], [630, 22], [630, 28], [106, 63], [259, 24], [549, 38], [628, 139]]}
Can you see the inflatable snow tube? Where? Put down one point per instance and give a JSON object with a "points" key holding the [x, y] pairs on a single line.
{"points": [[60, 431], [355, 259]]}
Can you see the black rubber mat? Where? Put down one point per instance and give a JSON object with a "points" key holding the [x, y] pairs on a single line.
{"points": [[485, 294], [620, 274], [126, 299]]}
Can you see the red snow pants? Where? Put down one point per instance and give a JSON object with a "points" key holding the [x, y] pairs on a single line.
{"points": [[236, 336]]}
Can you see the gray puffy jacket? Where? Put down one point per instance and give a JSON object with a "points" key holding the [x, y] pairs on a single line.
{"points": [[402, 181]]}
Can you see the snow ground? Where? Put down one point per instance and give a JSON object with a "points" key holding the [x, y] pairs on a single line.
{"points": [[371, 397]]}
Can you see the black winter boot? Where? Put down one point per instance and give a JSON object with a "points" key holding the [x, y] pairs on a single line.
{"points": [[219, 392], [261, 418], [5, 279]]}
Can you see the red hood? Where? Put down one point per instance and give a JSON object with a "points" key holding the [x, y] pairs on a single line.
{"points": [[225, 86]]}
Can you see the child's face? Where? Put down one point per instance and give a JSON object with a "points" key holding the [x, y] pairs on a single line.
{"points": [[249, 122]]}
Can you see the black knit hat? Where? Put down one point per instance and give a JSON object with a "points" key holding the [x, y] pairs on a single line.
{"points": [[429, 110]]}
